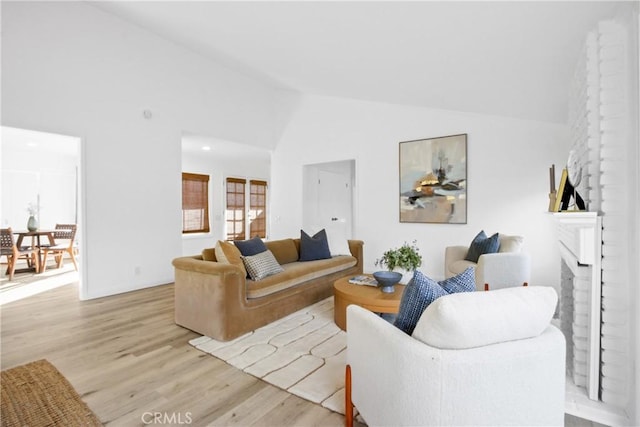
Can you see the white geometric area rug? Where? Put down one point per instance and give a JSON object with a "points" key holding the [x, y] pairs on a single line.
{"points": [[303, 353]]}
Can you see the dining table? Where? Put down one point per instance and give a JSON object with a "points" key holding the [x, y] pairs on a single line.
{"points": [[36, 237]]}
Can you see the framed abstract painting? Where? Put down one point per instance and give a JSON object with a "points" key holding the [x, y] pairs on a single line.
{"points": [[433, 180]]}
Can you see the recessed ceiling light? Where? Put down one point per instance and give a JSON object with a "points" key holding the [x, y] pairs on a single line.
{"points": [[32, 144], [206, 148]]}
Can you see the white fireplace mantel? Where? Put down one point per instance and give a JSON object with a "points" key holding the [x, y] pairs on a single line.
{"points": [[579, 237]]}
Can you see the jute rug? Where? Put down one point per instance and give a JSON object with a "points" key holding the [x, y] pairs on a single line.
{"points": [[303, 353], [36, 394]]}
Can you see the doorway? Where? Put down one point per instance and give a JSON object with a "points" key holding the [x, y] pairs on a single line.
{"points": [[328, 194], [40, 174]]}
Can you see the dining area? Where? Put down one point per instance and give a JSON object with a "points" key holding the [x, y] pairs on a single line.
{"points": [[32, 249], [39, 206]]}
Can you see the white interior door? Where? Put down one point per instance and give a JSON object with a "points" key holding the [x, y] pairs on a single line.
{"points": [[334, 211]]}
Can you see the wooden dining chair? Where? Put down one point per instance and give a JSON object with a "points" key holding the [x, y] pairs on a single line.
{"points": [[66, 232], [9, 249]]}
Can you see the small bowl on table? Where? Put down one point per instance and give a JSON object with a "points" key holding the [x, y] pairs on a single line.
{"points": [[387, 280]]}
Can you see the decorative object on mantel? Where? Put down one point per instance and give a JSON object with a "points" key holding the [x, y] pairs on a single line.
{"points": [[406, 257], [433, 180], [32, 223], [574, 175], [552, 188], [563, 197], [570, 179], [560, 192]]}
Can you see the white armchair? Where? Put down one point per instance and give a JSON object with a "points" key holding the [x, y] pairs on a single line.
{"points": [[508, 267], [476, 358]]}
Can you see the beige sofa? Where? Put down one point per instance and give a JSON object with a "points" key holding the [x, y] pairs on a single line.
{"points": [[217, 300]]}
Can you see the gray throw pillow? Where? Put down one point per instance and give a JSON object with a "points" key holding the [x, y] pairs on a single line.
{"points": [[261, 265]]}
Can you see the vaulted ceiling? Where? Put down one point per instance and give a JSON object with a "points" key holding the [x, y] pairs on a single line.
{"points": [[511, 59]]}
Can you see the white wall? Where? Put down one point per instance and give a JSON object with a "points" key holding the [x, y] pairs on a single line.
{"points": [[219, 165], [508, 181], [72, 69]]}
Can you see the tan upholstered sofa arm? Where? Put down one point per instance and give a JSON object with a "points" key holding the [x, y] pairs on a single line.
{"points": [[208, 295], [356, 248], [197, 264]]}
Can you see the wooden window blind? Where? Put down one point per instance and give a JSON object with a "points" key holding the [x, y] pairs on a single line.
{"points": [[235, 217], [195, 203], [258, 208]]}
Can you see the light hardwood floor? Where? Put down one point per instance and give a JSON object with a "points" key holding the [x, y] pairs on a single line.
{"points": [[130, 362]]}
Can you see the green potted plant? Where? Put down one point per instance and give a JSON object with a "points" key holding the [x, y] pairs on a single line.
{"points": [[407, 257]]}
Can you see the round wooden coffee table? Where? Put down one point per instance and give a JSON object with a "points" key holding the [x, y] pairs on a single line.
{"points": [[345, 293]]}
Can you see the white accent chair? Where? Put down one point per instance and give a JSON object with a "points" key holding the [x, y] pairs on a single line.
{"points": [[508, 267], [475, 358]]}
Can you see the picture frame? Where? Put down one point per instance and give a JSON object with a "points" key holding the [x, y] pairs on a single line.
{"points": [[433, 180], [561, 191]]}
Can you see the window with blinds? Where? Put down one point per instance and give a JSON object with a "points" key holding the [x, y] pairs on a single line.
{"points": [[235, 217], [195, 203], [258, 208], [245, 220]]}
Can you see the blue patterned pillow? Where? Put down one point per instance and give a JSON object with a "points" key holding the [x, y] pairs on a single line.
{"points": [[481, 244], [422, 291], [419, 293], [463, 282]]}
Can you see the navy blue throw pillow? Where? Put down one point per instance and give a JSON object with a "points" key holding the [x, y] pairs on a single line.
{"points": [[251, 247], [419, 293], [481, 244], [314, 248], [422, 291]]}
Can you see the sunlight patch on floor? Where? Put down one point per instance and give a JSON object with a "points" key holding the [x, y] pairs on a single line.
{"points": [[35, 284]]}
